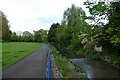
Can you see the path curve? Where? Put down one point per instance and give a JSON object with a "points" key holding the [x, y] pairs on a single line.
{"points": [[33, 66]]}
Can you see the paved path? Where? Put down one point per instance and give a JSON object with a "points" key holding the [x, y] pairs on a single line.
{"points": [[33, 66]]}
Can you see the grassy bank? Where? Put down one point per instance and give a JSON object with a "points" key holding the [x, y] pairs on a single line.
{"points": [[67, 69], [14, 51]]}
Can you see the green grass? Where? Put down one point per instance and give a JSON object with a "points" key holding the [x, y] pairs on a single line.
{"points": [[15, 51], [0, 56], [67, 69]]}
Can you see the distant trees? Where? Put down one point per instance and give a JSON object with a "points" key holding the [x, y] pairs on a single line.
{"points": [[40, 35], [14, 37], [6, 33], [26, 36]]}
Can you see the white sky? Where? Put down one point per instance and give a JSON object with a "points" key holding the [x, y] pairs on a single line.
{"points": [[29, 15]]}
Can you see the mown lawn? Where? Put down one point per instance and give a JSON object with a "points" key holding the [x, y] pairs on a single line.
{"points": [[0, 56], [14, 51]]}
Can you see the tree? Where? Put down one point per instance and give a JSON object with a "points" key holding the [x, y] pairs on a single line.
{"points": [[6, 33], [19, 36], [52, 33], [40, 35], [74, 19], [45, 36], [110, 37], [67, 36], [111, 30], [27, 36], [1, 25], [14, 36]]}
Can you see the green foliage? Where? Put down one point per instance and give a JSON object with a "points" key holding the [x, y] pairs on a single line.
{"points": [[14, 36], [69, 35], [40, 35], [52, 32], [44, 38], [27, 36], [14, 51], [99, 11], [72, 16], [76, 38], [108, 34], [6, 33]]}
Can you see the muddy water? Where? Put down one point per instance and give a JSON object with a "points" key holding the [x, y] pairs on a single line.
{"points": [[96, 69]]}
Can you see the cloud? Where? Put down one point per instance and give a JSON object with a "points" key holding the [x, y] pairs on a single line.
{"points": [[49, 19], [35, 14]]}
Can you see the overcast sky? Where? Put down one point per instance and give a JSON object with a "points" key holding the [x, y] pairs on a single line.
{"points": [[29, 15]]}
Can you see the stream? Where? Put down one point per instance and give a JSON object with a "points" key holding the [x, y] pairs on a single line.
{"points": [[96, 68]]}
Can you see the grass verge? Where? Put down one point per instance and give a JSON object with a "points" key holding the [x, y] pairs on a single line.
{"points": [[15, 51], [0, 56], [67, 69]]}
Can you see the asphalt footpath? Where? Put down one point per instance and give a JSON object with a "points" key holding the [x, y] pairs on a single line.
{"points": [[33, 66]]}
